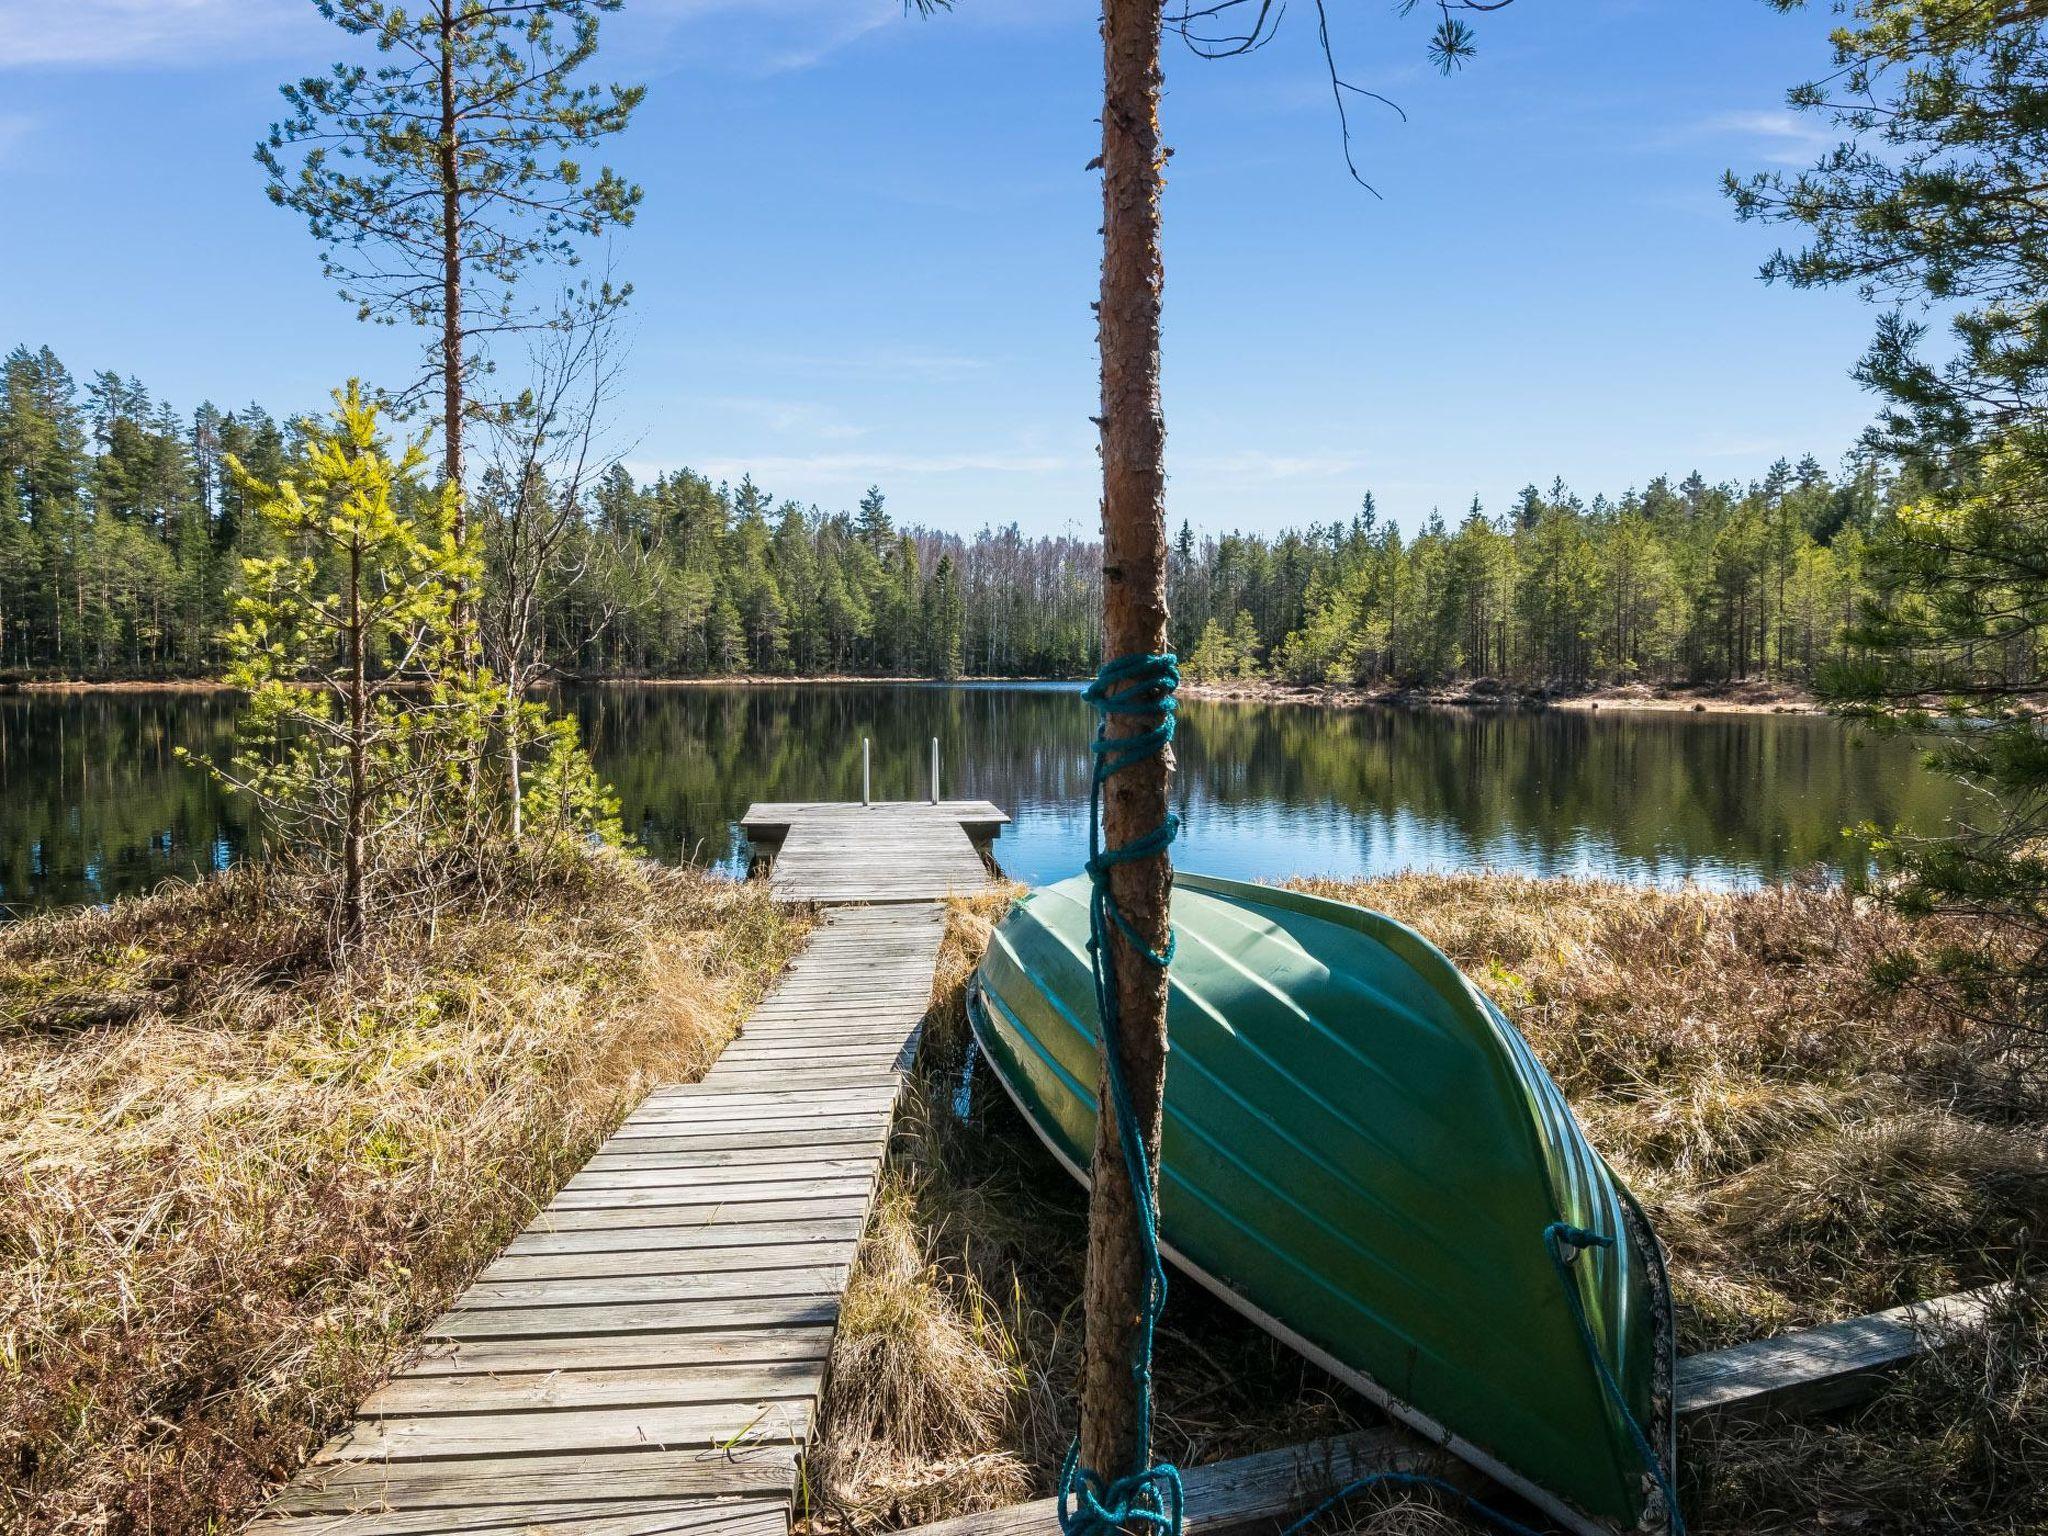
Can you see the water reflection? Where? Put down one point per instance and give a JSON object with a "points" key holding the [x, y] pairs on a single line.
{"points": [[93, 803]]}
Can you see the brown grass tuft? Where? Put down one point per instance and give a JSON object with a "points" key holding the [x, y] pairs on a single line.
{"points": [[240, 1179]]}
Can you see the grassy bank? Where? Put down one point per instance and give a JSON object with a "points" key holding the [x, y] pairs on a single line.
{"points": [[238, 1180], [1812, 1138]]}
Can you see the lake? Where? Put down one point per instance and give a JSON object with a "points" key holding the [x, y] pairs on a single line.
{"points": [[95, 804]]}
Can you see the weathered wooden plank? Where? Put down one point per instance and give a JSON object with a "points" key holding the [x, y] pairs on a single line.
{"points": [[723, 1175], [729, 1186], [605, 1517], [841, 1125], [826, 1044], [612, 1352], [618, 1290], [734, 1123], [750, 1103], [1806, 1371], [838, 1024], [796, 1049], [667, 1427], [652, 1474], [846, 1007], [820, 1051], [864, 1105], [669, 1261], [1228, 1495], [825, 1033], [735, 1157], [851, 1071], [1814, 1369], [747, 1213], [804, 1016], [647, 1317], [766, 1132], [711, 1097], [502, 1391], [808, 1077], [688, 1236], [807, 1068]]}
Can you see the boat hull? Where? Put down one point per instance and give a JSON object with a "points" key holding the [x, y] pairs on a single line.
{"points": [[1362, 1155]]}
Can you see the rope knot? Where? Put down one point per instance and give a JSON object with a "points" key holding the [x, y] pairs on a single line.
{"points": [[1150, 1497]]}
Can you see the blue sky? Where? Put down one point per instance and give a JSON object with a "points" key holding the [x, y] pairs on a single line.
{"points": [[868, 248]]}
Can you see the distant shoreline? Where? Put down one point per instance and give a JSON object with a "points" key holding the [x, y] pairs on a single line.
{"points": [[1626, 698], [1712, 699], [742, 680]]}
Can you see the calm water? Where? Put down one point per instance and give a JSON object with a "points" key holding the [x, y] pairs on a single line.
{"points": [[93, 803]]}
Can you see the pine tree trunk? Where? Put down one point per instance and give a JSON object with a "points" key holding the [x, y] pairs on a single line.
{"points": [[1134, 620], [451, 318]]}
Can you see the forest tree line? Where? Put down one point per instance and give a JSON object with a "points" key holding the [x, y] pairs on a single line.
{"points": [[123, 536]]}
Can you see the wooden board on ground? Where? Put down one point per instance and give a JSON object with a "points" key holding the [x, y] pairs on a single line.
{"points": [[1807, 1371]]}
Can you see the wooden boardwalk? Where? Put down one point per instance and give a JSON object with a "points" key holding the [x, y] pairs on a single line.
{"points": [[891, 851], [648, 1355]]}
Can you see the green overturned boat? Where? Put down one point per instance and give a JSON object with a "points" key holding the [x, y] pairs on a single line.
{"points": [[1363, 1156]]}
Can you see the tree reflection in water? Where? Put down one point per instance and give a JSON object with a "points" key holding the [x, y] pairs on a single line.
{"points": [[94, 804]]}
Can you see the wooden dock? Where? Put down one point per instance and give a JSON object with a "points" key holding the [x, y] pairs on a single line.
{"points": [[891, 851], [649, 1353]]}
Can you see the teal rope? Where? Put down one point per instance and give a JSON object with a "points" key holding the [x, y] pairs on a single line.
{"points": [[1149, 1494], [1555, 1236]]}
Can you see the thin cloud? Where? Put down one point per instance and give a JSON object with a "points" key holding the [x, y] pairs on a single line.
{"points": [[1780, 137], [101, 34], [769, 37], [774, 37]]}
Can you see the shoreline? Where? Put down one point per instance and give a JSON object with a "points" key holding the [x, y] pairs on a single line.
{"points": [[208, 685], [1626, 698], [1630, 698]]}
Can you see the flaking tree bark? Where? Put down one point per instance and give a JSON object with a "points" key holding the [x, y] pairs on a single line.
{"points": [[1134, 621]]}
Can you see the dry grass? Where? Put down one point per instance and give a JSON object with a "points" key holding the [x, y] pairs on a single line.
{"points": [[1814, 1141], [238, 1180]]}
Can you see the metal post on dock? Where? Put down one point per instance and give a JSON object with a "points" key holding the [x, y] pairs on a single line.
{"points": [[866, 784], [935, 770]]}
